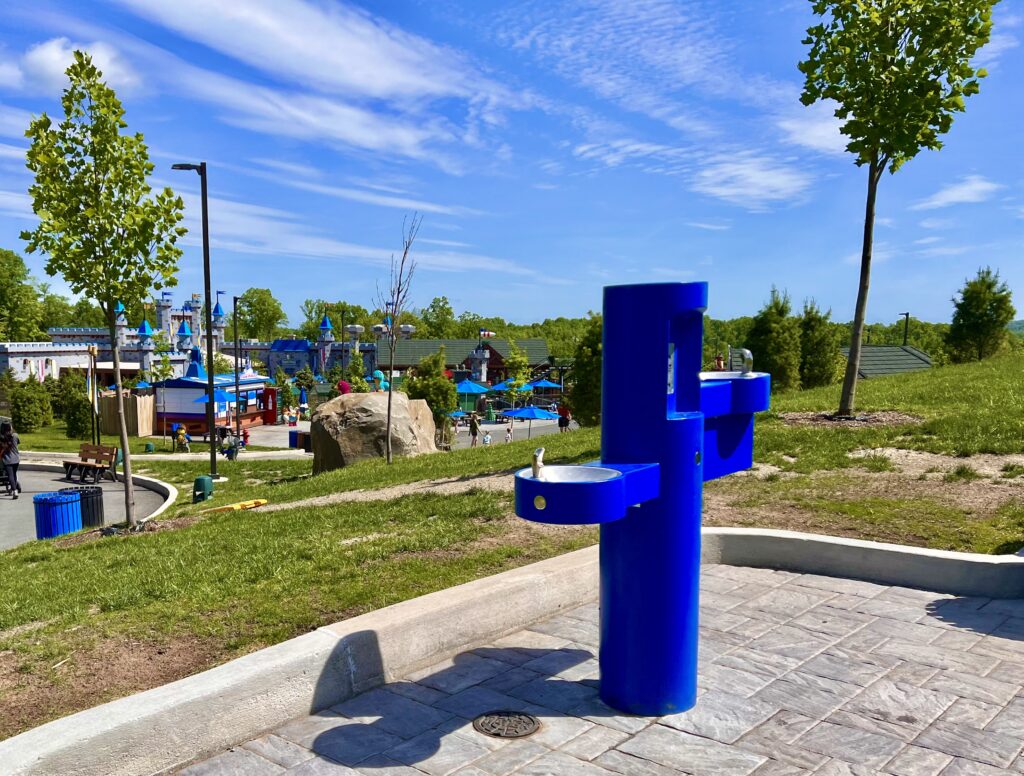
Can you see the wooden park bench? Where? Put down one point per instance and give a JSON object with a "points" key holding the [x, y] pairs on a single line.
{"points": [[95, 459]]}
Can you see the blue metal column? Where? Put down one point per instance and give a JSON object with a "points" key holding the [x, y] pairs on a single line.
{"points": [[650, 560]]}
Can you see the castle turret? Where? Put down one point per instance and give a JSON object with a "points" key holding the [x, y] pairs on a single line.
{"points": [[146, 345], [219, 322], [163, 313], [120, 325], [184, 336]]}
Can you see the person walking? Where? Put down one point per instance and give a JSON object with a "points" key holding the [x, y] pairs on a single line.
{"points": [[10, 457], [474, 429], [508, 432]]}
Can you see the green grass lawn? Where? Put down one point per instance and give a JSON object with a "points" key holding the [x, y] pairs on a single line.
{"points": [[219, 585], [967, 409]]}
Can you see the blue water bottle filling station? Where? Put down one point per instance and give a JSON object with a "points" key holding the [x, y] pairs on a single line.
{"points": [[661, 440]]}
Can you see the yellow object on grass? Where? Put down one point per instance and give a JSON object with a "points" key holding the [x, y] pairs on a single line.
{"points": [[256, 502]]}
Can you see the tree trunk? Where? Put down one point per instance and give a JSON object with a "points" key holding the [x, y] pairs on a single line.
{"points": [[122, 426], [391, 373], [848, 396]]}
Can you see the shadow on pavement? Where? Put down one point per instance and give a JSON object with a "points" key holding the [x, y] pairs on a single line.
{"points": [[409, 722]]}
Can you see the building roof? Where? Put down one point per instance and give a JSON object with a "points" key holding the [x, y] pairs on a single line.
{"points": [[291, 345], [879, 360], [411, 351]]}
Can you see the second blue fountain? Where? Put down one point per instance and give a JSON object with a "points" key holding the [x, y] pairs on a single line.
{"points": [[664, 432]]}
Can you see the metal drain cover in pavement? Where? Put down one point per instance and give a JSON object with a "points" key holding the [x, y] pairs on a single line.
{"points": [[506, 724]]}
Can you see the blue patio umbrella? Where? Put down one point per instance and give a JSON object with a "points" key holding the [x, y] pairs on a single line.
{"points": [[468, 386], [503, 386], [219, 396], [303, 399], [457, 414], [544, 384], [530, 414], [142, 384]]}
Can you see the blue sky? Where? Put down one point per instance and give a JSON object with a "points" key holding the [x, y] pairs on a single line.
{"points": [[552, 148]]}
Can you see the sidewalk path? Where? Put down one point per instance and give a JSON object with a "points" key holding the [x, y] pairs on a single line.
{"points": [[798, 674]]}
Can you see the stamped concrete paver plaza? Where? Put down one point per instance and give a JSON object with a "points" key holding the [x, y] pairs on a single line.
{"points": [[799, 674]]}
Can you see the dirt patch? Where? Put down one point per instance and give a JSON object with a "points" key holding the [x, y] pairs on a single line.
{"points": [[150, 526], [111, 669], [916, 462], [883, 419]]}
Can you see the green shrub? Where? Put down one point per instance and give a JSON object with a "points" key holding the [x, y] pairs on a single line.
{"points": [[585, 397], [774, 339], [820, 360], [27, 409], [78, 416]]}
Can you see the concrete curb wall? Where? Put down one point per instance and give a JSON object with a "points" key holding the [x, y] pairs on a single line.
{"points": [[941, 571], [165, 489], [164, 728]]}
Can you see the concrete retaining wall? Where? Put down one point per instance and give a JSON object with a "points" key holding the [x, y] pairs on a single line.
{"points": [[161, 729]]}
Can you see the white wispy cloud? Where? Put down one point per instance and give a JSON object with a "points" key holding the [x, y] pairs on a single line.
{"points": [[814, 127], [245, 228], [709, 227], [936, 223], [289, 168], [12, 152], [945, 250], [13, 121], [928, 240], [648, 57], [40, 70], [337, 47], [16, 204], [973, 188], [750, 180], [445, 243], [367, 197]]}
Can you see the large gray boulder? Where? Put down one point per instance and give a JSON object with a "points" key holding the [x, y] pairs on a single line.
{"points": [[351, 428]]}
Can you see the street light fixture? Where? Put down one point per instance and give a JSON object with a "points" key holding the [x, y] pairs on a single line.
{"points": [[238, 399], [210, 406]]}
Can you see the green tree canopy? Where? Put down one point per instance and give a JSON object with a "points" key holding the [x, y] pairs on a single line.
{"points": [[982, 311], [897, 71], [100, 227], [20, 311], [260, 315], [585, 396], [438, 319], [774, 339]]}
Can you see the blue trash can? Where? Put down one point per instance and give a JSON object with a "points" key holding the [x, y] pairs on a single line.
{"points": [[293, 438], [57, 514]]}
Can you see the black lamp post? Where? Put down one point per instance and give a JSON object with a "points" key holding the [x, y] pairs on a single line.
{"points": [[210, 406], [906, 328]]}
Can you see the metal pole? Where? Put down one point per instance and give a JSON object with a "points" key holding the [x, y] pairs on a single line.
{"points": [[906, 328], [238, 415], [210, 406]]}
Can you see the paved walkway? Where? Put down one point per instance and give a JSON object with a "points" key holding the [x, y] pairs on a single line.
{"points": [[799, 674], [17, 518]]}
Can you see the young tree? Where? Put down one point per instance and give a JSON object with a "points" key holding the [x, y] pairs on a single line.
{"points": [[429, 382], [99, 226], [820, 360], [356, 375], [517, 367], [395, 301], [260, 314], [585, 396], [982, 312], [898, 71], [774, 339], [305, 378]]}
